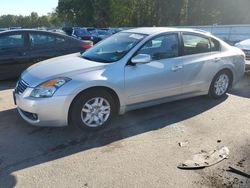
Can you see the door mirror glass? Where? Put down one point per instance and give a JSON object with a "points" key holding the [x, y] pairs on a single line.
{"points": [[141, 59]]}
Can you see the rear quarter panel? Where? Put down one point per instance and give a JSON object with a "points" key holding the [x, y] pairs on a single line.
{"points": [[234, 60]]}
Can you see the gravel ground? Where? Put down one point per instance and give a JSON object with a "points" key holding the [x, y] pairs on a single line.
{"points": [[139, 149]]}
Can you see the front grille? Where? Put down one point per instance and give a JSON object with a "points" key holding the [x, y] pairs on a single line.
{"points": [[247, 52], [21, 86]]}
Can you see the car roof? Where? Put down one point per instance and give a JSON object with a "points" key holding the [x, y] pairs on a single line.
{"points": [[156, 30], [32, 30]]}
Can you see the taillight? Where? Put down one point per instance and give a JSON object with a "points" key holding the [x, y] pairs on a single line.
{"points": [[87, 46]]}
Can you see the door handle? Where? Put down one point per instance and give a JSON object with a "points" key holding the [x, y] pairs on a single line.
{"points": [[22, 53], [217, 59], [177, 67]]}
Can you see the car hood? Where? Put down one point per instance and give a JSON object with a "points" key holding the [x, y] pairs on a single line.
{"points": [[244, 45], [63, 66]]}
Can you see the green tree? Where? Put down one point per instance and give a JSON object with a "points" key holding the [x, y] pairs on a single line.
{"points": [[76, 12], [31, 21], [136, 13]]}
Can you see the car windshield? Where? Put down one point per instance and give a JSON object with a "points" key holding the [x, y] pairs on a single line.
{"points": [[113, 48]]}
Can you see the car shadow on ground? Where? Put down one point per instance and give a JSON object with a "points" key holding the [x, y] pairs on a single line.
{"points": [[23, 146], [242, 89]]}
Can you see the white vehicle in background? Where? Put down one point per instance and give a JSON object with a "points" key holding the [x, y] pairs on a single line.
{"points": [[245, 47]]}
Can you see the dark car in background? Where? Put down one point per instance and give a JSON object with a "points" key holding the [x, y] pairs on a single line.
{"points": [[90, 33], [21, 48], [99, 34], [68, 30], [114, 30], [82, 33]]}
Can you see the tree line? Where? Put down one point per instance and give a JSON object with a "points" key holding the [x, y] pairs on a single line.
{"points": [[136, 13], [31, 21]]}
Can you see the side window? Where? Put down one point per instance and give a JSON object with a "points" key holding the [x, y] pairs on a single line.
{"points": [[11, 41], [215, 45], [162, 47], [39, 40], [194, 44]]}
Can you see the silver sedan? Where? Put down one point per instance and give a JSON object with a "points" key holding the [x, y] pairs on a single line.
{"points": [[132, 69]]}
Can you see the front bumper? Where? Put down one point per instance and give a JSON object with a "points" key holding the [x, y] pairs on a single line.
{"points": [[47, 112]]}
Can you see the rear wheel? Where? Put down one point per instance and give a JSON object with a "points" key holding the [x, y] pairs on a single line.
{"points": [[220, 84], [92, 110]]}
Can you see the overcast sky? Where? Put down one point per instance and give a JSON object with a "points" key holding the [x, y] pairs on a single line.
{"points": [[25, 7]]}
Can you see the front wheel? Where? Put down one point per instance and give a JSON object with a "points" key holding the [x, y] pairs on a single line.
{"points": [[220, 84], [92, 110]]}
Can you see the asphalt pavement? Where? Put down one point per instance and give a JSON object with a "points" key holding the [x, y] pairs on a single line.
{"points": [[138, 149]]}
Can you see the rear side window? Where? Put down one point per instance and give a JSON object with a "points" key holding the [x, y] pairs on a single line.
{"points": [[11, 41], [194, 44], [40, 40], [215, 45]]}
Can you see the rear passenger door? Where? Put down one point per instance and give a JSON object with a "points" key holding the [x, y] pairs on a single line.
{"points": [[44, 45], [199, 54], [13, 57]]}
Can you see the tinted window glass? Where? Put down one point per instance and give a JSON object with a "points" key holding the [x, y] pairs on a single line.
{"points": [[194, 44], [11, 41], [161, 47], [37, 40], [215, 45]]}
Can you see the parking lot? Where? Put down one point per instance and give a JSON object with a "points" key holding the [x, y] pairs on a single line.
{"points": [[139, 149]]}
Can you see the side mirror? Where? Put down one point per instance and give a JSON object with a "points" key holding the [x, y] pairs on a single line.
{"points": [[141, 59]]}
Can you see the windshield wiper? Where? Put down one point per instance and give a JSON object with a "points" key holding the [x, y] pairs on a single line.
{"points": [[88, 58], [96, 59]]}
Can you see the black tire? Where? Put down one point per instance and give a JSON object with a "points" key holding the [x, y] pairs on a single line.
{"points": [[212, 90], [75, 113]]}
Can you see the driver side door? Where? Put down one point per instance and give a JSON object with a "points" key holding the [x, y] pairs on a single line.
{"points": [[13, 58], [160, 78]]}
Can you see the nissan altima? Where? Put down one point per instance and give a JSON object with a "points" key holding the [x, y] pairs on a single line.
{"points": [[132, 69]]}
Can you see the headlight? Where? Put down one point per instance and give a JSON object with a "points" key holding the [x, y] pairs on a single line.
{"points": [[47, 89]]}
